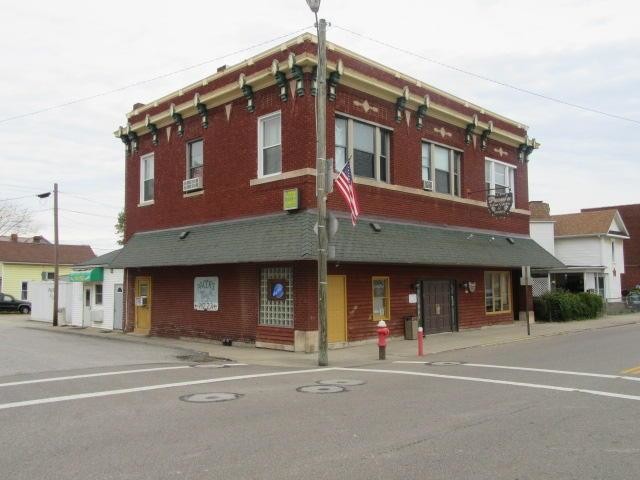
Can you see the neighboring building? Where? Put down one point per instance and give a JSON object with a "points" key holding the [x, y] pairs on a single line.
{"points": [[631, 217], [589, 244], [220, 199], [90, 296], [24, 260]]}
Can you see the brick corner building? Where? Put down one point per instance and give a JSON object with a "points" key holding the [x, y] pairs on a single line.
{"points": [[220, 199]]}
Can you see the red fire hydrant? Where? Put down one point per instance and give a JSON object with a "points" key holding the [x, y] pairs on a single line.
{"points": [[383, 333]]}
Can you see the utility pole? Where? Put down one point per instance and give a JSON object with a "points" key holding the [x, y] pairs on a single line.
{"points": [[55, 255], [321, 181]]}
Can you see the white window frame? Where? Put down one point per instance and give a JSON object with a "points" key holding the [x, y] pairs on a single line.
{"points": [[188, 163], [453, 182], [501, 274], [261, 145], [97, 295], [511, 169], [143, 159], [377, 147]]}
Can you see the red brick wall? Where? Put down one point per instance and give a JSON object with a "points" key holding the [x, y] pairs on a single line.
{"points": [[360, 324], [172, 312], [631, 217], [230, 162]]}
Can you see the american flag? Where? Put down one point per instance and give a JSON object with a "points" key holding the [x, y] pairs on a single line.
{"points": [[345, 185]]}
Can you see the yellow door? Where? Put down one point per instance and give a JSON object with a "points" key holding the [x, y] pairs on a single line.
{"points": [[143, 305], [337, 309]]}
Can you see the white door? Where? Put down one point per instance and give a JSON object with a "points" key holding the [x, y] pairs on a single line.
{"points": [[86, 310]]}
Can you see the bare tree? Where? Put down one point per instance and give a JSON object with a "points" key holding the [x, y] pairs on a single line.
{"points": [[14, 219]]}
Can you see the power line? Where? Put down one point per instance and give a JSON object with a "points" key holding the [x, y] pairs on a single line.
{"points": [[488, 79], [86, 213], [15, 198], [90, 200], [152, 79]]}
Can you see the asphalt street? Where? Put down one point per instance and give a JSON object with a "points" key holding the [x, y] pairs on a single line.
{"points": [[557, 407]]}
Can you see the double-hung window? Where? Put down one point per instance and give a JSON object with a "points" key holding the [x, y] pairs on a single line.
{"points": [[365, 145], [195, 159], [381, 298], [146, 178], [499, 177], [98, 294], [441, 169], [269, 145], [497, 292]]}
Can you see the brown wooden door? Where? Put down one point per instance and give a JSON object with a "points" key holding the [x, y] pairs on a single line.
{"points": [[143, 305], [437, 308]]}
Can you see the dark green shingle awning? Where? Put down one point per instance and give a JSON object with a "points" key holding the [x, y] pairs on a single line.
{"points": [[290, 237]]}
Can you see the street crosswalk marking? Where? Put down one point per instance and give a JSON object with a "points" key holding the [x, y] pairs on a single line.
{"points": [[542, 370]]}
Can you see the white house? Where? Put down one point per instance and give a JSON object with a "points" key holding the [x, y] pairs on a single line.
{"points": [[590, 246], [90, 296]]}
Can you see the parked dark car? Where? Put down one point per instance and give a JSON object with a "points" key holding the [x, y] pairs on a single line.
{"points": [[633, 300], [10, 304]]}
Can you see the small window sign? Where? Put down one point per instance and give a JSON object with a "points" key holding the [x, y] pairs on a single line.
{"points": [[277, 290], [205, 294], [290, 199]]}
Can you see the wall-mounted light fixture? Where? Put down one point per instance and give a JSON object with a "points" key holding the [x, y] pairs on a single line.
{"points": [[470, 130], [152, 128], [422, 112], [247, 91], [202, 110], [297, 73], [177, 118], [468, 286], [401, 103], [334, 79], [484, 138], [122, 135], [281, 79]]}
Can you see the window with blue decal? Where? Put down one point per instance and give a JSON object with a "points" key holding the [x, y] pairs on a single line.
{"points": [[277, 289]]}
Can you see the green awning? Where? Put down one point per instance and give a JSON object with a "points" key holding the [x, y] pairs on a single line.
{"points": [[92, 275]]}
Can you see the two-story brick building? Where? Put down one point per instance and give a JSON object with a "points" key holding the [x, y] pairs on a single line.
{"points": [[220, 198]]}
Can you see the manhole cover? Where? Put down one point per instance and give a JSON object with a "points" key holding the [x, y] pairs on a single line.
{"points": [[341, 382], [321, 389], [210, 397], [443, 364]]}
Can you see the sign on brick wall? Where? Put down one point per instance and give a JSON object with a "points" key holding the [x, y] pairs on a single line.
{"points": [[205, 294]]}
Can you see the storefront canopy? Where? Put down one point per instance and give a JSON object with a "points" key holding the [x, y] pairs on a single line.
{"points": [[90, 275], [291, 237]]}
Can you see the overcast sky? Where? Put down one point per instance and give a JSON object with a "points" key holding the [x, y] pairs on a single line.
{"points": [[583, 52]]}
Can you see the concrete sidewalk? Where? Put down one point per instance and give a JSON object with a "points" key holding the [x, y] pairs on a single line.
{"points": [[359, 354]]}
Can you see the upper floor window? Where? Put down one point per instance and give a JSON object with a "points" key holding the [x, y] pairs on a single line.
{"points": [[195, 159], [499, 177], [365, 145], [441, 169], [269, 145], [146, 178]]}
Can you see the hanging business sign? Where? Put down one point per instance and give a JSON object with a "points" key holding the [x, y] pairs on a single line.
{"points": [[205, 294], [500, 203]]}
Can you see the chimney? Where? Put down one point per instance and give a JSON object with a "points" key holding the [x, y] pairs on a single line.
{"points": [[539, 210], [14, 237], [37, 238]]}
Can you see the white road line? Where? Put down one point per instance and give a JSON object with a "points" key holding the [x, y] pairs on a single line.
{"points": [[116, 372], [543, 370], [499, 382], [79, 396]]}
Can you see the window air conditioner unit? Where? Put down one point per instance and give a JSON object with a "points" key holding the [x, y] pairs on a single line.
{"points": [[191, 184], [427, 185]]}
